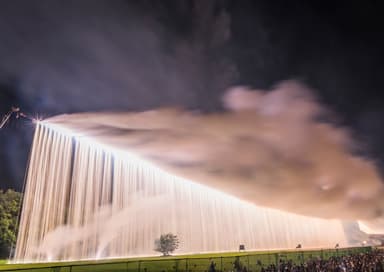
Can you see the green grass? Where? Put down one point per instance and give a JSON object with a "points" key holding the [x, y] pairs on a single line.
{"points": [[193, 263]]}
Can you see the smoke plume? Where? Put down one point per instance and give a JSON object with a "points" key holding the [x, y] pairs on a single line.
{"points": [[70, 56], [106, 225], [269, 148]]}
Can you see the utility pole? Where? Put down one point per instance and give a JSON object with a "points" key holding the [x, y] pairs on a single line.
{"points": [[14, 111]]}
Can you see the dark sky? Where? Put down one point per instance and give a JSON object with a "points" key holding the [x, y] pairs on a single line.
{"points": [[74, 56]]}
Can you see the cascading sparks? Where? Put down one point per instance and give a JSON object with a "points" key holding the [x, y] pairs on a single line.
{"points": [[85, 200]]}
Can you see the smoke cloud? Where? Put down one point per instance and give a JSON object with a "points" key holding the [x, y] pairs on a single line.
{"points": [[70, 56], [269, 148], [106, 225]]}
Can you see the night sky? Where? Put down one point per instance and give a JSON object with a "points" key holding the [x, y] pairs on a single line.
{"points": [[76, 56]]}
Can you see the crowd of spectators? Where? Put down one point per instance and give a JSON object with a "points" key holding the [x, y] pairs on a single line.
{"points": [[362, 262]]}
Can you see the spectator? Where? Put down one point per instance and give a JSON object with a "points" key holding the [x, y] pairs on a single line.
{"points": [[212, 267], [363, 262]]}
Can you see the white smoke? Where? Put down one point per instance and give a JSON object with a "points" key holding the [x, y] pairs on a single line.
{"points": [[269, 149], [106, 225]]}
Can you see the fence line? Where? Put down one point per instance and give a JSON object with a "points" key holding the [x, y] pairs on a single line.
{"points": [[251, 262]]}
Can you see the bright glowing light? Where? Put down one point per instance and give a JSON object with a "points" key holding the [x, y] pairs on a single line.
{"points": [[108, 202], [125, 155]]}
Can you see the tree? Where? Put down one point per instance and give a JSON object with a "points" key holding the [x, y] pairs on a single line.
{"points": [[167, 243], [9, 210]]}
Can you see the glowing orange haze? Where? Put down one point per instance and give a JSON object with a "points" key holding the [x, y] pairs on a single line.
{"points": [[267, 148]]}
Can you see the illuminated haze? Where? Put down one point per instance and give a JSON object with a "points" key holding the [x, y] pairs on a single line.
{"points": [[268, 148], [104, 55], [114, 204], [70, 56]]}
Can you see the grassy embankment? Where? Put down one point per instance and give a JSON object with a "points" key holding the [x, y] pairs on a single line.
{"points": [[197, 262]]}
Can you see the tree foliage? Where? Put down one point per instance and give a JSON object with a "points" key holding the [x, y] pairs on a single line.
{"points": [[167, 243], [9, 210]]}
